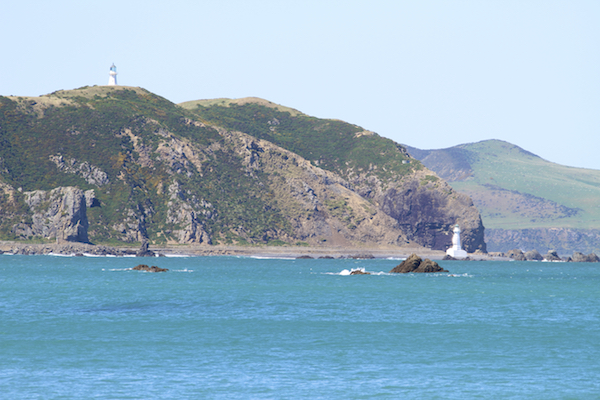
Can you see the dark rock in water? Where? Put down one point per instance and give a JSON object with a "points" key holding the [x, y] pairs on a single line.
{"points": [[305, 257], [533, 255], [144, 267], [580, 257], [144, 251], [326, 258], [448, 257], [363, 257], [552, 256], [516, 255], [78, 255], [414, 263], [359, 272]]}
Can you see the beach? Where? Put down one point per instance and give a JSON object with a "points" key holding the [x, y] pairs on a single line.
{"points": [[74, 248]]}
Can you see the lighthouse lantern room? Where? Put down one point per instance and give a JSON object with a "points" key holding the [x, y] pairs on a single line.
{"points": [[112, 76]]}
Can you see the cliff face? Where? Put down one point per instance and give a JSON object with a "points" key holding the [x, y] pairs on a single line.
{"points": [[99, 164], [426, 209], [428, 214], [59, 213]]}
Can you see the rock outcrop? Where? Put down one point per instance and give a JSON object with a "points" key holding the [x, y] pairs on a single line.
{"points": [[516, 255], [414, 263], [56, 214], [533, 255], [145, 268], [580, 257], [427, 212], [359, 271], [552, 255], [145, 251]]}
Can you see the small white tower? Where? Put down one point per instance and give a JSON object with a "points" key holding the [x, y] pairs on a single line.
{"points": [[112, 76], [456, 251]]}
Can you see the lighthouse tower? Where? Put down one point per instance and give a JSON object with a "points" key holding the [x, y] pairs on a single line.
{"points": [[112, 76], [456, 251]]}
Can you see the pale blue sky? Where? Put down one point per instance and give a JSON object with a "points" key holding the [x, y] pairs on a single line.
{"points": [[431, 74]]}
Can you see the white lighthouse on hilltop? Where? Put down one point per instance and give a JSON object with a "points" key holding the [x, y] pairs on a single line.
{"points": [[456, 251], [112, 76]]}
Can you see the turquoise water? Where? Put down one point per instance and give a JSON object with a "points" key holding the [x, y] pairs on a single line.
{"points": [[240, 328]]}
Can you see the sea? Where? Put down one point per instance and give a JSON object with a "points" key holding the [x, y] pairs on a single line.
{"points": [[258, 328]]}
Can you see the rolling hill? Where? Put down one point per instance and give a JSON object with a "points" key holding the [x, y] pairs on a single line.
{"points": [[524, 200], [116, 164]]}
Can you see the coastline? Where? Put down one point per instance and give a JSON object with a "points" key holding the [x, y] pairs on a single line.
{"points": [[382, 252]]}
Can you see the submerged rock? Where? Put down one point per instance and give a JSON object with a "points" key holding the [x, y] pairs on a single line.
{"points": [[359, 272], [414, 263], [144, 267]]}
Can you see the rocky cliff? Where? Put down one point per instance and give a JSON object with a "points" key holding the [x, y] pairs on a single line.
{"points": [[103, 164]]}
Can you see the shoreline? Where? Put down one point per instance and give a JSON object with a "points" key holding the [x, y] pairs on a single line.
{"points": [[75, 248]]}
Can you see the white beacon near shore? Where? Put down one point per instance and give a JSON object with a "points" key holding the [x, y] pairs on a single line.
{"points": [[112, 76], [456, 251]]}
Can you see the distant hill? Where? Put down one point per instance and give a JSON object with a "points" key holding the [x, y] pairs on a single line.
{"points": [[524, 200], [115, 164]]}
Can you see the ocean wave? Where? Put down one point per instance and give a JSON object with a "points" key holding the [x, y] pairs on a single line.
{"points": [[346, 272], [268, 257]]}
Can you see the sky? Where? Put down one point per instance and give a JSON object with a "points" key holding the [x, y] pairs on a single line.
{"points": [[429, 74]]}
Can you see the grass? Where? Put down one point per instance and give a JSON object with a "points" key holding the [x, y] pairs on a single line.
{"points": [[225, 102], [501, 165]]}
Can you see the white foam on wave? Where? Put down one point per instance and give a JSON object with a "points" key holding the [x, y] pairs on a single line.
{"points": [[176, 255], [346, 272], [268, 257], [61, 255]]}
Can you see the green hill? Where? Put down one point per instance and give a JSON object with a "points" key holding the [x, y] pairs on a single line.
{"points": [[120, 164], [517, 190]]}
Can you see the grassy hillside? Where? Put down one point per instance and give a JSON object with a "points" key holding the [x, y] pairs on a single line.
{"points": [[221, 171], [123, 132], [333, 145], [515, 189]]}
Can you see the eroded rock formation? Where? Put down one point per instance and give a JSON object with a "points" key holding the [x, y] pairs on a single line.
{"points": [[416, 264]]}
